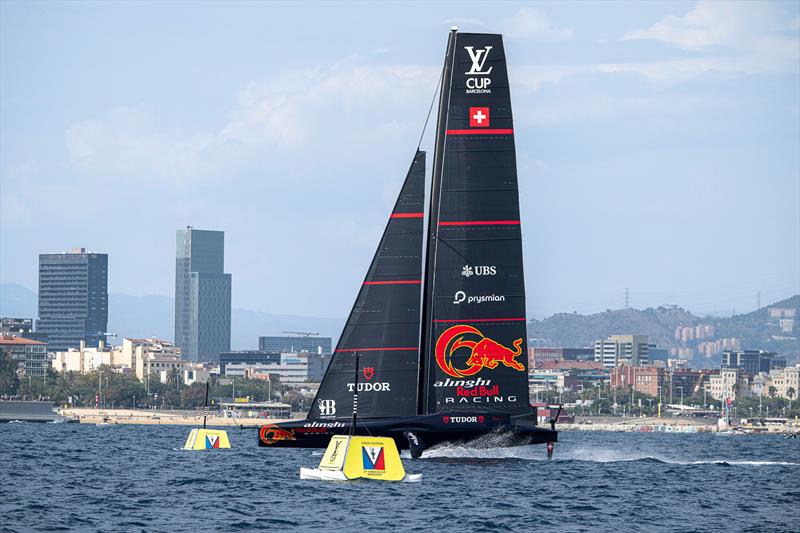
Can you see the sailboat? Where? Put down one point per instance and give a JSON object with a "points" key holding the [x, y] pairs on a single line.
{"points": [[439, 321]]}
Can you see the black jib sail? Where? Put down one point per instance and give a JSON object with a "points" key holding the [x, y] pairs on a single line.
{"points": [[383, 326], [474, 327]]}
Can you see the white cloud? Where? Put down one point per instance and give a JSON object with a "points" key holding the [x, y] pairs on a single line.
{"points": [[739, 25], [270, 120], [726, 37], [530, 23]]}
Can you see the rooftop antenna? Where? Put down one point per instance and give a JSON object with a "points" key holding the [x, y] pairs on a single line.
{"points": [[301, 333]]}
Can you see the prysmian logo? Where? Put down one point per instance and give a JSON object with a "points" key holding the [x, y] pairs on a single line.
{"points": [[478, 58], [327, 407], [478, 270], [461, 296]]}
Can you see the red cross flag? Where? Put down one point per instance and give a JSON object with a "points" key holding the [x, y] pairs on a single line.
{"points": [[478, 117]]}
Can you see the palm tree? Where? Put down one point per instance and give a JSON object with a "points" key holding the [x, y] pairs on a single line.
{"points": [[790, 394], [772, 390]]}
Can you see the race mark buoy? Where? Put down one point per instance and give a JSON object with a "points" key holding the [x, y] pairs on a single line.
{"points": [[354, 457], [207, 439]]}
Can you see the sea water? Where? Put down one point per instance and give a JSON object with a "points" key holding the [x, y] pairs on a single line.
{"points": [[136, 478]]}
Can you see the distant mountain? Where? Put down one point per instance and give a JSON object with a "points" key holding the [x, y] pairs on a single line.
{"points": [[153, 316], [574, 330], [755, 330], [17, 301]]}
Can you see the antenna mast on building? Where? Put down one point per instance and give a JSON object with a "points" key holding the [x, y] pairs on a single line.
{"points": [[301, 333]]}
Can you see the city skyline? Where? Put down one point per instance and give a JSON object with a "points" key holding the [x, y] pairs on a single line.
{"points": [[599, 106]]}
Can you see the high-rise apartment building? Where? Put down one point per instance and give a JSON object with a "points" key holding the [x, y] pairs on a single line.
{"points": [[73, 298], [202, 295], [619, 350]]}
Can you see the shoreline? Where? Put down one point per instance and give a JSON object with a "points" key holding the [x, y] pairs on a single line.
{"points": [[85, 415], [195, 418]]}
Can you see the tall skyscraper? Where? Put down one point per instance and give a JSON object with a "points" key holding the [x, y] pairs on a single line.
{"points": [[73, 298], [202, 295]]}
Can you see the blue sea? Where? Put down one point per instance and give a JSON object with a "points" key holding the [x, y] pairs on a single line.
{"points": [[58, 477]]}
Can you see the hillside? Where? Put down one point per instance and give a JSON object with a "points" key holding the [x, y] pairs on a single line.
{"points": [[754, 330], [576, 330]]}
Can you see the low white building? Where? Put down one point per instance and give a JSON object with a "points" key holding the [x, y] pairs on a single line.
{"points": [[729, 383], [89, 358], [293, 368], [783, 382], [619, 350]]}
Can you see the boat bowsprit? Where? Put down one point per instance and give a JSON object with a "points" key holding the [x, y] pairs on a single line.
{"points": [[442, 340]]}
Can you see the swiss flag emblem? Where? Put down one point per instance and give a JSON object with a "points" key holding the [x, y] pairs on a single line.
{"points": [[478, 117]]}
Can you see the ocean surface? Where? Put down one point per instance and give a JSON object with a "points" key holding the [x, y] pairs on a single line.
{"points": [[135, 478]]}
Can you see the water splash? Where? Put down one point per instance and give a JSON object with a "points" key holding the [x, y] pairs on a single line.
{"points": [[489, 449]]}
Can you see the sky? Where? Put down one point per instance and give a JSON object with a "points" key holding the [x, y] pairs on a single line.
{"points": [[658, 143]]}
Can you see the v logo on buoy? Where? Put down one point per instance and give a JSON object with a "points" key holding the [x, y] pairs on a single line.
{"points": [[373, 458], [207, 439]]}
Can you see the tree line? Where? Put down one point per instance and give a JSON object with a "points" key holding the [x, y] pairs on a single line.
{"points": [[110, 389]]}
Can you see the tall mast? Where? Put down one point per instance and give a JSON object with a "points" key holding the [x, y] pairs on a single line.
{"points": [[433, 222]]}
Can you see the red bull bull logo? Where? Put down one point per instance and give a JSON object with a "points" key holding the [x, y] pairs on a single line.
{"points": [[272, 434], [482, 352]]}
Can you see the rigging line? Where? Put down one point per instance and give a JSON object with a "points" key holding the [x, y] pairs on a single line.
{"points": [[430, 109], [459, 254]]}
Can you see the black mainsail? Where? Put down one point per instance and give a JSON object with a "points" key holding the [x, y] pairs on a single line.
{"points": [[383, 326], [442, 347], [475, 337]]}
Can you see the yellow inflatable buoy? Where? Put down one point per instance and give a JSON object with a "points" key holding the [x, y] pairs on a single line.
{"points": [[350, 457], [207, 439]]}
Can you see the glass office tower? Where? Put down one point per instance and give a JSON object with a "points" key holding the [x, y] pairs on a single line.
{"points": [[202, 295]]}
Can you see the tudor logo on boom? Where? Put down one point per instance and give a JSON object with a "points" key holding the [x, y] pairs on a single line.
{"points": [[481, 82]]}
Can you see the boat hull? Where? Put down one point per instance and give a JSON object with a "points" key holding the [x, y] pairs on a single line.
{"points": [[430, 429]]}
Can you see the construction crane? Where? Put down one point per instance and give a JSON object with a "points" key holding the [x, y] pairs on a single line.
{"points": [[301, 333]]}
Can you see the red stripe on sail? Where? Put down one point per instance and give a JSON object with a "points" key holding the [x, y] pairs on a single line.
{"points": [[481, 223], [490, 131], [392, 349], [406, 215], [395, 282], [521, 319]]}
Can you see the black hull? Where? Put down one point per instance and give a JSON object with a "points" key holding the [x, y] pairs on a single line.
{"points": [[430, 429]]}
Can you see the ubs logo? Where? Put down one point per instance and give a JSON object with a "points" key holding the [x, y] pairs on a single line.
{"points": [[327, 407], [478, 270]]}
